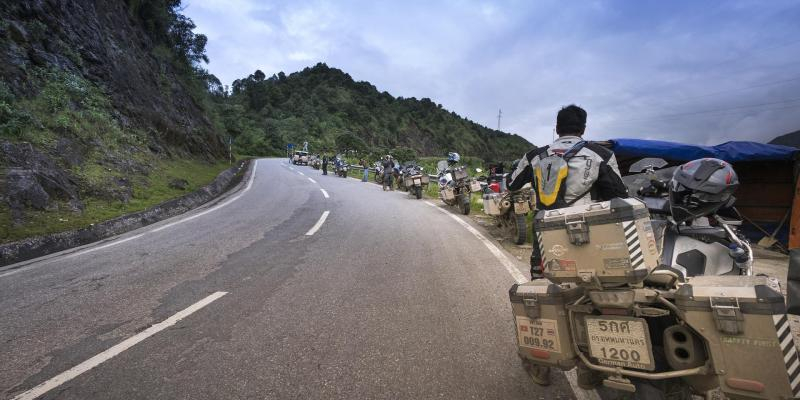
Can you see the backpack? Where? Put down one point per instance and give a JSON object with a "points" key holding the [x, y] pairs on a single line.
{"points": [[550, 176]]}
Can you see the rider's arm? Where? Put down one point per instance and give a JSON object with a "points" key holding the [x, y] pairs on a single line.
{"points": [[609, 181], [523, 174]]}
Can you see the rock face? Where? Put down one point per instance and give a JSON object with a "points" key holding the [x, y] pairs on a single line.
{"points": [[32, 179], [107, 43]]}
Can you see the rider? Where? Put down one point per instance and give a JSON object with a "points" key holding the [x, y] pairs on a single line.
{"points": [[570, 171], [388, 170]]}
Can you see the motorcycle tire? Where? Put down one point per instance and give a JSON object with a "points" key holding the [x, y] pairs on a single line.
{"points": [[418, 192], [520, 228], [464, 205]]}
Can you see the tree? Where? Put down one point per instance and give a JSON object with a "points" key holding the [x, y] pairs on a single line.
{"points": [[349, 142]]}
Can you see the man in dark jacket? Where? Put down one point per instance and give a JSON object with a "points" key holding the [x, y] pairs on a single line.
{"points": [[325, 164]]}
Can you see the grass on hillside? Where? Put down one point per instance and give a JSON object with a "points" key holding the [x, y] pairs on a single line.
{"points": [[147, 192]]}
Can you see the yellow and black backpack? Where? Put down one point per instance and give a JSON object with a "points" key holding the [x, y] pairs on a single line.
{"points": [[550, 176]]}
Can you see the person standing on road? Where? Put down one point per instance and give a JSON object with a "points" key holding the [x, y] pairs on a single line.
{"points": [[568, 172], [324, 164], [388, 170], [363, 163]]}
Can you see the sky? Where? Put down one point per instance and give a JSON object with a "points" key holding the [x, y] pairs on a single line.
{"points": [[701, 72]]}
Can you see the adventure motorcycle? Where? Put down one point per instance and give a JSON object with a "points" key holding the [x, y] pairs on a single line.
{"points": [[340, 167], [665, 308], [510, 210], [378, 172], [455, 185], [412, 179], [315, 162]]}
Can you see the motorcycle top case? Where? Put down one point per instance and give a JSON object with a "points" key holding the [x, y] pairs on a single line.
{"points": [[609, 243], [459, 173], [540, 317], [750, 345], [492, 204]]}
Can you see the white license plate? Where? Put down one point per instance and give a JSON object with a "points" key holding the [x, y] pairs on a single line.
{"points": [[522, 207], [620, 341], [538, 333], [418, 181]]}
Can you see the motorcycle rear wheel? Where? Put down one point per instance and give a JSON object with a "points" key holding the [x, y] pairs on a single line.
{"points": [[418, 192], [520, 229], [463, 204]]}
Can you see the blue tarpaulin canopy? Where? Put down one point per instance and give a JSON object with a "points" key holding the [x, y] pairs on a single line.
{"points": [[732, 152]]}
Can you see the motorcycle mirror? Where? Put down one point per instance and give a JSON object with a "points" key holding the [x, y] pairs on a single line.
{"points": [[478, 170], [441, 166], [647, 163], [421, 168]]}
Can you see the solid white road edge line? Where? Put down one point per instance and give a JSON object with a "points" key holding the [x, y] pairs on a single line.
{"points": [[324, 193], [79, 369], [571, 375], [116, 242], [319, 223], [507, 263], [312, 181]]}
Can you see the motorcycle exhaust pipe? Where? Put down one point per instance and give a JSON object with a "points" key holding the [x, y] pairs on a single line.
{"points": [[506, 204]]}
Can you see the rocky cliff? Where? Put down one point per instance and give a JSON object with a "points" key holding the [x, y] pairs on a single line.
{"points": [[93, 94]]}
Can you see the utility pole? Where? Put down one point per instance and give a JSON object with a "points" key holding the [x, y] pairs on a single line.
{"points": [[499, 115]]}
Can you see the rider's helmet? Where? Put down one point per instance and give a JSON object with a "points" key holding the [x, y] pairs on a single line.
{"points": [[701, 187], [453, 158]]}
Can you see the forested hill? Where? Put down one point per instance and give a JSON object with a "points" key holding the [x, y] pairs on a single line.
{"points": [[327, 108]]}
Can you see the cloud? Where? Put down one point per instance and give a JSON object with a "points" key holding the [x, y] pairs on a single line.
{"points": [[682, 70]]}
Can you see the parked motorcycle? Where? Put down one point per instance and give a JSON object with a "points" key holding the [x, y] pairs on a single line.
{"points": [[340, 166], [412, 179], [378, 172], [455, 185], [664, 307], [510, 210], [315, 162]]}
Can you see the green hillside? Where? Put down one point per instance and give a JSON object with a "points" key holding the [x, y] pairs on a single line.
{"points": [[331, 111]]}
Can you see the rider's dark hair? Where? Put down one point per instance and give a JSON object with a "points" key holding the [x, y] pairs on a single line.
{"points": [[571, 120]]}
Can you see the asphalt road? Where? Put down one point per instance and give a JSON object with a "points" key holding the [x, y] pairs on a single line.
{"points": [[390, 298]]}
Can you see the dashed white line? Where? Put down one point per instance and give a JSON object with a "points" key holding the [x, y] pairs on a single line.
{"points": [[79, 369], [312, 181], [325, 193], [301, 173], [319, 223]]}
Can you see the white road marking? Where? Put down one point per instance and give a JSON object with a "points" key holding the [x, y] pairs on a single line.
{"points": [[319, 223], [217, 207], [116, 242], [324, 193], [507, 263], [291, 168], [301, 173], [79, 369], [571, 375], [312, 181]]}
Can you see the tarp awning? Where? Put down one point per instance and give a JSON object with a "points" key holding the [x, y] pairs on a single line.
{"points": [[729, 151]]}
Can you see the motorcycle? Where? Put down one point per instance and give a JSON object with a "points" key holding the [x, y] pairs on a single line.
{"points": [[315, 162], [340, 167], [378, 172], [412, 179], [642, 304], [510, 210], [455, 186]]}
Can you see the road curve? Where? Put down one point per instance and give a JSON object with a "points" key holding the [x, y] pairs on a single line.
{"points": [[385, 297]]}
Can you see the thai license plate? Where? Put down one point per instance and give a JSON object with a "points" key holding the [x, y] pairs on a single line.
{"points": [[538, 333], [620, 341], [418, 181]]}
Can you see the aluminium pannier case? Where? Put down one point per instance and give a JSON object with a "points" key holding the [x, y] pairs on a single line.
{"points": [[491, 203], [540, 317], [475, 186], [408, 182], [459, 173], [448, 193], [608, 243], [748, 338]]}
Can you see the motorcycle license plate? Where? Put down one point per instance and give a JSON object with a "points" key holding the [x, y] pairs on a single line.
{"points": [[522, 207], [417, 181], [541, 334], [620, 341]]}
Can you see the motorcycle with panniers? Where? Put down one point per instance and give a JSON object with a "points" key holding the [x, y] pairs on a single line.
{"points": [[655, 295], [510, 210], [455, 185], [412, 179]]}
